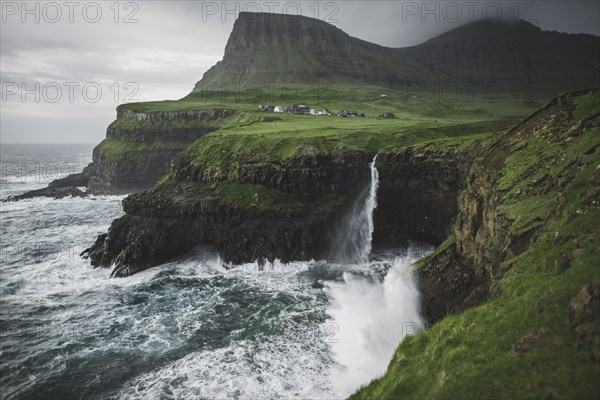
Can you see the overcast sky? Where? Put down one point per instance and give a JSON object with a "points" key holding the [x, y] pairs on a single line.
{"points": [[88, 57]]}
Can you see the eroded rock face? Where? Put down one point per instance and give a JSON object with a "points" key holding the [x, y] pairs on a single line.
{"points": [[160, 225], [126, 175], [584, 315], [467, 271], [318, 173], [172, 218], [417, 197], [539, 339]]}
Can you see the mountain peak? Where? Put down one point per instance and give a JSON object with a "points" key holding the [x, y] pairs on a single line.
{"points": [[485, 30], [279, 48]]}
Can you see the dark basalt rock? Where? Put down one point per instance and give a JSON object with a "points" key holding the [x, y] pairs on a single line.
{"points": [[53, 192], [74, 180], [136, 242], [171, 219]]}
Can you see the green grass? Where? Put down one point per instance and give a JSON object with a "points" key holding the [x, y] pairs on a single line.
{"points": [[224, 152], [470, 356], [254, 137], [336, 96]]}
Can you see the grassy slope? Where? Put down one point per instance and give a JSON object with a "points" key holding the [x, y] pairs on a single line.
{"points": [[469, 356], [256, 137], [265, 137], [362, 98]]}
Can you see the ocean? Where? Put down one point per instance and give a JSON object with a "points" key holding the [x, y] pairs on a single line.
{"points": [[190, 328]]}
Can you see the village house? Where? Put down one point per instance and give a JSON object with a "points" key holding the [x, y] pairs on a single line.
{"points": [[387, 115], [345, 113], [299, 109], [279, 109], [266, 107], [318, 111]]}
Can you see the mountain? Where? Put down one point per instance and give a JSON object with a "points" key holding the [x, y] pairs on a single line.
{"points": [[278, 48]]}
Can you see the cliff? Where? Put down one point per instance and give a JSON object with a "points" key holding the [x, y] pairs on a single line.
{"points": [[259, 216], [257, 204], [137, 151], [264, 192], [281, 48], [512, 296], [139, 146], [515, 214]]}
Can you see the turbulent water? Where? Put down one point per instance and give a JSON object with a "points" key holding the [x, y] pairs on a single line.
{"points": [[189, 328]]}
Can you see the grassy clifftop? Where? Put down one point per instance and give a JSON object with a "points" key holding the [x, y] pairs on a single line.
{"points": [[254, 139], [539, 336]]}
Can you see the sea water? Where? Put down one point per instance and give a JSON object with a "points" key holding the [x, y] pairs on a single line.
{"points": [[189, 328]]}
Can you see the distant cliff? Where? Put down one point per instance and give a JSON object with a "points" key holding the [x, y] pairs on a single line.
{"points": [[279, 48], [139, 146], [137, 151]]}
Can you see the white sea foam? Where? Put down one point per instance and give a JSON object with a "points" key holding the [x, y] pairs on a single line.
{"points": [[370, 319]]}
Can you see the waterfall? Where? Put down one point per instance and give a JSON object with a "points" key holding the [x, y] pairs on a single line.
{"points": [[355, 236]]}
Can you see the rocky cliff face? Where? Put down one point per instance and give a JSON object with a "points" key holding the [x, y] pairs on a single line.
{"points": [[417, 197], [511, 195], [273, 47], [137, 151], [139, 146], [286, 211], [281, 48]]}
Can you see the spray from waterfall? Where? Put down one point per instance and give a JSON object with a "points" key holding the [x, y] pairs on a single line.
{"points": [[356, 231]]}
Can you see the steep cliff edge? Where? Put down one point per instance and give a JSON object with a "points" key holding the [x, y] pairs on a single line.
{"points": [[289, 211], [513, 293], [261, 193], [139, 146], [249, 219]]}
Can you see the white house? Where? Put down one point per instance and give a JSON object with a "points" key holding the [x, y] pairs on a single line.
{"points": [[279, 109], [317, 111]]}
